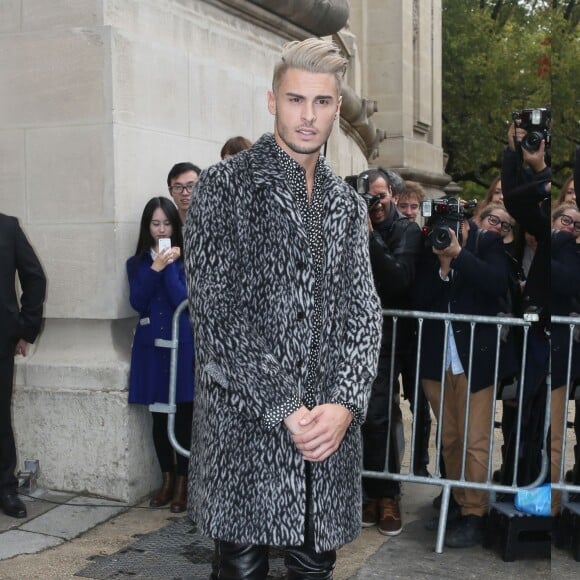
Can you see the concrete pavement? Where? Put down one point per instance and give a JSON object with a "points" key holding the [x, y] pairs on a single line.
{"points": [[72, 540]]}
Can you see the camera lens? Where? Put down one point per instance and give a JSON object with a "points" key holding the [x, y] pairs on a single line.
{"points": [[440, 238], [532, 140]]}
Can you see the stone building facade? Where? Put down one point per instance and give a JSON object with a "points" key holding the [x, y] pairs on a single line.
{"points": [[98, 99]]}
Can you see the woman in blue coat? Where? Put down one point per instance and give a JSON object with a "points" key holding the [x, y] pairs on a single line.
{"points": [[157, 287]]}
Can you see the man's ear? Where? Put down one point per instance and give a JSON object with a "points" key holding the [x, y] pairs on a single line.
{"points": [[271, 102]]}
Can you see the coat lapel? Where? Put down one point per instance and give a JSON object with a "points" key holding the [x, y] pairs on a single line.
{"points": [[269, 175]]}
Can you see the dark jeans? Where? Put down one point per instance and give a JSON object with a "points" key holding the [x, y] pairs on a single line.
{"points": [[250, 562], [8, 482], [422, 418], [375, 429], [168, 459]]}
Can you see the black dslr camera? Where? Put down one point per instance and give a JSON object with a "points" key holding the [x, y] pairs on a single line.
{"points": [[361, 186], [442, 214], [537, 123]]}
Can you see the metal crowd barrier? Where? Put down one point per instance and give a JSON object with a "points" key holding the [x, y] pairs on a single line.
{"points": [[170, 407], [572, 394], [489, 485], [446, 484]]}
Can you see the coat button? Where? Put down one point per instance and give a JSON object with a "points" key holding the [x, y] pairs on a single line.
{"points": [[301, 315], [300, 265]]}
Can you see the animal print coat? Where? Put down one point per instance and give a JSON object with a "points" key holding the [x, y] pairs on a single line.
{"points": [[249, 273]]}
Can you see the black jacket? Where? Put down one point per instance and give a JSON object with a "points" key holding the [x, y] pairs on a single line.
{"points": [[477, 285], [565, 275], [18, 257], [527, 201], [395, 246]]}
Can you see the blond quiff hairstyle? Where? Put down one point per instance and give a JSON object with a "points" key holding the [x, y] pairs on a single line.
{"points": [[313, 55]]}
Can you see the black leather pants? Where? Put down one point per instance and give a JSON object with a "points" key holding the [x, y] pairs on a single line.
{"points": [[250, 562]]}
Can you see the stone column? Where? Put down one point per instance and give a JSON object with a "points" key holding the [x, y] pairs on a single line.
{"points": [[400, 47]]}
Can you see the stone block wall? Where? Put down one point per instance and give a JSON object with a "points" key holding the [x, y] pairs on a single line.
{"points": [[98, 99]]}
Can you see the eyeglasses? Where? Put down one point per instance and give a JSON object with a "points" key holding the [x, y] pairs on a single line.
{"points": [[412, 206], [178, 187], [495, 221], [568, 221]]}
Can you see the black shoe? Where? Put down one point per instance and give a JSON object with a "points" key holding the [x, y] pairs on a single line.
{"points": [[468, 533], [422, 471], [12, 505], [437, 501], [453, 518]]}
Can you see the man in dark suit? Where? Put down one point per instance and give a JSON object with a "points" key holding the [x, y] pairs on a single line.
{"points": [[19, 326]]}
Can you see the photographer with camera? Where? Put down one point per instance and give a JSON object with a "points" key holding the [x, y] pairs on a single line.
{"points": [[394, 243], [462, 271], [526, 179], [565, 290]]}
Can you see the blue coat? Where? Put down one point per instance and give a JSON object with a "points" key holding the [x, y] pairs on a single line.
{"points": [[155, 296]]}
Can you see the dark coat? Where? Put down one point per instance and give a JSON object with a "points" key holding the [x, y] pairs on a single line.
{"points": [[18, 257], [478, 285], [565, 270], [251, 282], [155, 296], [527, 201]]}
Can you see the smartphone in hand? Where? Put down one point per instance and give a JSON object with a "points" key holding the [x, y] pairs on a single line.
{"points": [[164, 244]]}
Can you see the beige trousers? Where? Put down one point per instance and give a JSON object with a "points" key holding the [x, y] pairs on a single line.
{"points": [[472, 502], [558, 409]]}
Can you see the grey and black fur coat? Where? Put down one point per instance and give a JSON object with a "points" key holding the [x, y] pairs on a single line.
{"points": [[249, 273]]}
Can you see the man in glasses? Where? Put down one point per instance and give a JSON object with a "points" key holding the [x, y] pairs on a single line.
{"points": [[180, 182], [395, 245]]}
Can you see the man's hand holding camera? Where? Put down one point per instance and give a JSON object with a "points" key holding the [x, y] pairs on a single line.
{"points": [[448, 254], [534, 158]]}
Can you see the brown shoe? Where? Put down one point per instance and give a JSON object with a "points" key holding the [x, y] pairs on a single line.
{"points": [[166, 491], [370, 514], [390, 523], [179, 501]]}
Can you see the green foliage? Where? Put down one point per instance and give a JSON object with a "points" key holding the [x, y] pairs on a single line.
{"points": [[565, 87], [496, 60]]}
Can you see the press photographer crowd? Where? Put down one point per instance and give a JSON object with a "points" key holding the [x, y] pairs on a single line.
{"points": [[515, 254]]}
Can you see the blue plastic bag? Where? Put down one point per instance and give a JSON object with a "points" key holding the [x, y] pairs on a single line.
{"points": [[536, 501]]}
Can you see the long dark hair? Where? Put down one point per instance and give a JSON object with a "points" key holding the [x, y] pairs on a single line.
{"points": [[146, 241]]}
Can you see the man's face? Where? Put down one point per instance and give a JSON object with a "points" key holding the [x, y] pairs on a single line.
{"points": [[180, 188], [305, 106], [380, 210], [409, 206]]}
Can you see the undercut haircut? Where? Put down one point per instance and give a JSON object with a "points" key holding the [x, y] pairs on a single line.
{"points": [[313, 55]]}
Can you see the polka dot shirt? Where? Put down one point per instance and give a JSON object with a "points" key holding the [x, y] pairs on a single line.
{"points": [[312, 214]]}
